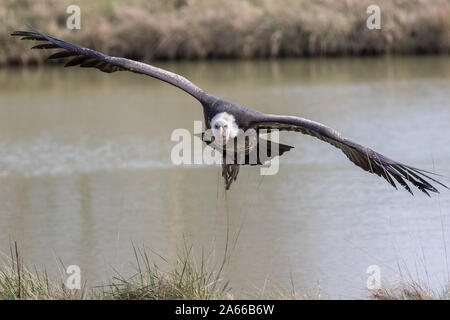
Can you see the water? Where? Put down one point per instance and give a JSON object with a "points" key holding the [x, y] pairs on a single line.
{"points": [[85, 170]]}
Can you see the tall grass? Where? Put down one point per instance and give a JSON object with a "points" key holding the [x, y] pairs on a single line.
{"points": [[410, 290], [411, 287], [171, 29], [186, 280], [19, 282]]}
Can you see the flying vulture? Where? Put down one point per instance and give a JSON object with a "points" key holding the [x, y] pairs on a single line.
{"points": [[227, 121]]}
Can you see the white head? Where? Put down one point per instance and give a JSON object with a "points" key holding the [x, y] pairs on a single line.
{"points": [[224, 127]]}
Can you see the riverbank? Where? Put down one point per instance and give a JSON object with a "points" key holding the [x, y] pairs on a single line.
{"points": [[197, 29], [185, 279]]}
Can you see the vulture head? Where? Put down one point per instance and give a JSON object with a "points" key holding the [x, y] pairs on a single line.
{"points": [[224, 127]]}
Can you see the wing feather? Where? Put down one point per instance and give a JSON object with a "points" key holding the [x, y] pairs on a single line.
{"points": [[85, 57], [363, 157]]}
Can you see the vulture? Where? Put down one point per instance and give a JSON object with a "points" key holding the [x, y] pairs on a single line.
{"points": [[228, 122]]}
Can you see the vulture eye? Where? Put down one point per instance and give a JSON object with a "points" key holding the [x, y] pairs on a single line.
{"points": [[225, 126], [216, 126]]}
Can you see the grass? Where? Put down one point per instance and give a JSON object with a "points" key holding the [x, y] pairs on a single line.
{"points": [[19, 282], [410, 290], [196, 29], [184, 280]]}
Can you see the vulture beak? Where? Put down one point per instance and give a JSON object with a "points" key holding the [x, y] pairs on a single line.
{"points": [[223, 135]]}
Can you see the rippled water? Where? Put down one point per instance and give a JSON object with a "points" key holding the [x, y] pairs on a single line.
{"points": [[85, 170]]}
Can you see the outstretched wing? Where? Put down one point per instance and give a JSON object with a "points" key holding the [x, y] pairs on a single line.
{"points": [[363, 157], [88, 58]]}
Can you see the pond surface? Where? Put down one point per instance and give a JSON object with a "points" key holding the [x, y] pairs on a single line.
{"points": [[85, 171]]}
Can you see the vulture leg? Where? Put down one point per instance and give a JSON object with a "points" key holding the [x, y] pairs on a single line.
{"points": [[229, 173]]}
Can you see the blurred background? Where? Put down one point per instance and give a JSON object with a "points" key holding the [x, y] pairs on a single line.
{"points": [[174, 29], [85, 165]]}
